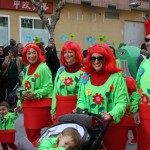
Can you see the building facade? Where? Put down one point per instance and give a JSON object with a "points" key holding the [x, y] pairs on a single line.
{"points": [[83, 21]]}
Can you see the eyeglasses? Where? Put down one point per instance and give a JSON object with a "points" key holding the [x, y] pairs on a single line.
{"points": [[147, 39], [99, 58]]}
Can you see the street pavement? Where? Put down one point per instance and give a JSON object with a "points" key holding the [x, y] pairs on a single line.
{"points": [[21, 133]]}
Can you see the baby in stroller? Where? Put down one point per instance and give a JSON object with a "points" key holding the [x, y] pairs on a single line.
{"points": [[88, 130], [68, 139]]}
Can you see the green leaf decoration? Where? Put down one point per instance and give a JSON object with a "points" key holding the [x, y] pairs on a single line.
{"points": [[68, 92], [32, 79], [76, 79], [109, 101], [100, 109], [148, 91], [92, 106], [62, 86], [107, 94], [76, 89]]}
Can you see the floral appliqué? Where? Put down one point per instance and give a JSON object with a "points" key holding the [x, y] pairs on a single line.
{"points": [[84, 78], [68, 81], [27, 85], [88, 92], [36, 75], [145, 99], [98, 99], [111, 89]]}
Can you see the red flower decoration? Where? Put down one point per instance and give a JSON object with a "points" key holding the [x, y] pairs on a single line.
{"points": [[98, 99], [27, 85], [145, 99], [140, 91], [111, 88], [36, 75], [68, 81]]}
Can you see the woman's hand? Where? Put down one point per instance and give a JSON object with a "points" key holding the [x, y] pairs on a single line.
{"points": [[28, 96], [136, 118], [53, 117], [105, 115]]}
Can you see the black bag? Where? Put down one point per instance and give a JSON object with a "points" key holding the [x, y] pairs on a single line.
{"points": [[12, 99]]}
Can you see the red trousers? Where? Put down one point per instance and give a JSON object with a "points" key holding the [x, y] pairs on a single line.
{"points": [[33, 134], [10, 145]]}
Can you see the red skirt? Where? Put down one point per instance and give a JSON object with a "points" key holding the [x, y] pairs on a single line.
{"points": [[144, 128], [7, 136], [116, 135], [37, 113], [65, 105]]}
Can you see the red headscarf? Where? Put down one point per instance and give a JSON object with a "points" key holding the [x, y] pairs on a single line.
{"points": [[41, 58], [74, 47], [147, 26], [110, 60]]}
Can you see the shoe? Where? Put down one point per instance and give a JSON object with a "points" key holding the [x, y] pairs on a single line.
{"points": [[133, 141]]}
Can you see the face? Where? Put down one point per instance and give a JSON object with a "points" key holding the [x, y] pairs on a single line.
{"points": [[70, 57], [10, 54], [98, 61], [66, 142], [147, 42], [20, 48], [3, 110], [1, 51], [51, 41], [32, 56]]}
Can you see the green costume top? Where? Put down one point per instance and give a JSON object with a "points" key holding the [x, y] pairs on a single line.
{"points": [[39, 83], [7, 122], [65, 84], [111, 97], [50, 144], [142, 93]]}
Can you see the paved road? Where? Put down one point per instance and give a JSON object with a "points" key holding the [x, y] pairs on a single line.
{"points": [[21, 132]]}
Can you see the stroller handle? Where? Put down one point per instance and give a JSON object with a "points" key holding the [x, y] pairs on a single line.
{"points": [[98, 138]]}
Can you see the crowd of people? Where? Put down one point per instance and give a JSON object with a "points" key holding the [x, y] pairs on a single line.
{"points": [[81, 82]]}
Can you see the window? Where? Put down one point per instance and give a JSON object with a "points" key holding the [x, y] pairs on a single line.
{"points": [[4, 30], [32, 28]]}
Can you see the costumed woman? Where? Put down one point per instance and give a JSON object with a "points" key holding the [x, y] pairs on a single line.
{"points": [[37, 93], [141, 104], [67, 81], [103, 90]]}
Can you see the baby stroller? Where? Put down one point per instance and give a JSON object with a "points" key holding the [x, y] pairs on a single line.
{"points": [[91, 129]]}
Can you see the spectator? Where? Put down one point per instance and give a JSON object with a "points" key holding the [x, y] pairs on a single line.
{"points": [[142, 55], [7, 48], [12, 66], [51, 42], [52, 61], [20, 48]]}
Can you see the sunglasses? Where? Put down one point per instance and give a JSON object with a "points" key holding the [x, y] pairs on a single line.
{"points": [[147, 39], [99, 58]]}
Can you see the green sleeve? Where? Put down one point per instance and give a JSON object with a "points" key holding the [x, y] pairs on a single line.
{"points": [[49, 144], [19, 103], [47, 85], [81, 103], [120, 100], [136, 98], [53, 107]]}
